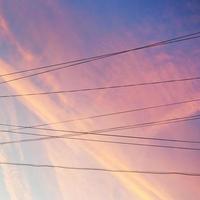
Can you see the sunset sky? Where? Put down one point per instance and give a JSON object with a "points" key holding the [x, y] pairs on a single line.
{"points": [[37, 33]]}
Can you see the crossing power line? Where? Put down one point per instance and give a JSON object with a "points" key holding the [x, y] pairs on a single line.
{"points": [[90, 59], [38, 139], [117, 128], [100, 133]]}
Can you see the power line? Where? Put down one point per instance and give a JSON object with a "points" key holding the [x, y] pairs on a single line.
{"points": [[118, 128], [87, 60], [79, 63], [103, 55], [152, 123], [111, 113], [99, 141], [67, 136], [99, 56], [102, 169], [103, 88], [95, 132], [99, 133]]}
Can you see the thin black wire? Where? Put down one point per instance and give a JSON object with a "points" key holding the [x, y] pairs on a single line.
{"points": [[102, 169], [109, 114], [153, 123], [118, 128], [95, 132], [43, 72], [99, 141], [99, 132], [87, 61], [103, 55], [103, 88], [99, 169]]}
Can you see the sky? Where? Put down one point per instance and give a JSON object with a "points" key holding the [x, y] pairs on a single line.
{"points": [[37, 33]]}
